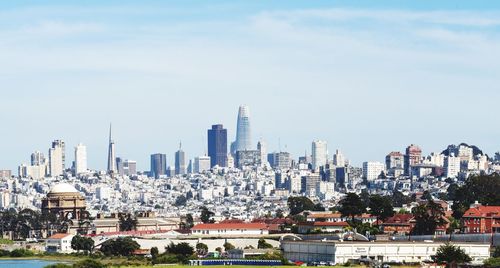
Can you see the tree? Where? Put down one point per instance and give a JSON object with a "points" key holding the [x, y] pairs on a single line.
{"points": [[82, 243], [351, 206], [228, 246], [154, 253], [279, 214], [180, 201], [262, 244], [426, 196], [428, 217], [189, 221], [201, 249], [297, 204], [365, 197], [206, 215], [183, 249], [481, 188], [399, 199], [119, 246], [496, 252], [84, 222], [381, 207], [492, 262], [128, 222], [449, 254], [89, 263]]}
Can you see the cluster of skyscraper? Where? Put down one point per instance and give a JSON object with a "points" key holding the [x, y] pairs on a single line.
{"points": [[55, 165]]}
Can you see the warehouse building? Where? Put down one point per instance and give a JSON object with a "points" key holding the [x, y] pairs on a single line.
{"points": [[384, 251]]}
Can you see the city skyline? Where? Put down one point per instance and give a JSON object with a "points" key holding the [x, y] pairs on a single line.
{"points": [[367, 79]]}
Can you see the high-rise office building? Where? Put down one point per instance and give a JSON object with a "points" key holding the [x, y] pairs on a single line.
{"points": [[57, 158], [80, 159], [262, 148], [158, 165], [280, 160], [202, 163], [319, 154], [37, 158], [339, 159], [180, 161], [413, 157], [217, 145], [111, 154], [243, 135], [126, 167]]}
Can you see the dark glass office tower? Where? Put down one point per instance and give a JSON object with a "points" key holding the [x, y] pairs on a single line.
{"points": [[217, 145], [158, 165]]}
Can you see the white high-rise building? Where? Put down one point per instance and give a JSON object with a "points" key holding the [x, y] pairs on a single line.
{"points": [[262, 148], [338, 159], [451, 166], [80, 159], [57, 158], [371, 170], [4, 199], [201, 163], [319, 154], [230, 161], [243, 140]]}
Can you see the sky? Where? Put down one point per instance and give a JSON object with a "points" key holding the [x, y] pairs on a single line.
{"points": [[368, 77]]}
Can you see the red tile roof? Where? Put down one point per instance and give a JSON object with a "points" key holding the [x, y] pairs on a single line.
{"points": [[399, 219], [230, 226], [324, 224], [483, 211], [59, 236]]}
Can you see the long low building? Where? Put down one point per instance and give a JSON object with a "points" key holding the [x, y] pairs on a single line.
{"points": [[386, 251]]}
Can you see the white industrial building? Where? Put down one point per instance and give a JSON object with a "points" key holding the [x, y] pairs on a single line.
{"points": [[387, 251], [230, 229]]}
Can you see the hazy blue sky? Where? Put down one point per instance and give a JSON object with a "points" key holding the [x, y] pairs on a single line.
{"points": [[369, 77]]}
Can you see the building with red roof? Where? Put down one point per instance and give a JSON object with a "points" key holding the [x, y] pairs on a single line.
{"points": [[481, 219]]}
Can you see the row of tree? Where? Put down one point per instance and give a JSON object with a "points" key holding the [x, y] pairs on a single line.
{"points": [[28, 223]]}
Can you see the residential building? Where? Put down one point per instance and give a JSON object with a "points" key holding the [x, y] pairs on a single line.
{"points": [[372, 170], [481, 219], [80, 159], [57, 158], [413, 156], [59, 243], [451, 166]]}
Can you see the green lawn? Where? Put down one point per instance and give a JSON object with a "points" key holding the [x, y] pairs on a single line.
{"points": [[6, 241]]}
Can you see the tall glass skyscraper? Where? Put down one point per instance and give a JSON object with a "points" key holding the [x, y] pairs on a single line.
{"points": [[217, 145], [243, 140], [158, 165]]}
